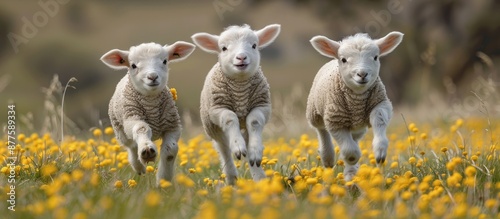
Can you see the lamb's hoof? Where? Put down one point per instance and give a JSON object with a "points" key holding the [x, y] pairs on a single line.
{"points": [[148, 154], [380, 160], [239, 148], [256, 162]]}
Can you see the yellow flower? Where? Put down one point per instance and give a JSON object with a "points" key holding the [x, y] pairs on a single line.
{"points": [[95, 179], [311, 181], [132, 183], [470, 171], [77, 175], [412, 160], [340, 162], [54, 201], [411, 139], [411, 126], [444, 149], [150, 169], [108, 131], [474, 157], [97, 133], [208, 210], [5, 170], [21, 137], [118, 184], [152, 198], [48, 170], [87, 164], [174, 93], [202, 192], [490, 203], [165, 183]]}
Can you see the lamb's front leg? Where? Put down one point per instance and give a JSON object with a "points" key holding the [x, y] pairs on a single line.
{"points": [[230, 125], [168, 153], [349, 152], [379, 119], [256, 120], [141, 134]]}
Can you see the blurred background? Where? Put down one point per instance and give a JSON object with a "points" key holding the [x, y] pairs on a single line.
{"points": [[446, 67]]}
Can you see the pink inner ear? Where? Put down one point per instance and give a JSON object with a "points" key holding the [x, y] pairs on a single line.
{"points": [[388, 43], [208, 43], [116, 59], [325, 46]]}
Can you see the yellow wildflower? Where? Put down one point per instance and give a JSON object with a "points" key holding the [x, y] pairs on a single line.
{"points": [[97, 132], [108, 131], [174, 93], [165, 183], [118, 184], [48, 170], [131, 183], [152, 198]]}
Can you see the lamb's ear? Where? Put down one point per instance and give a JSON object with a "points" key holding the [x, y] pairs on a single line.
{"points": [[178, 51], [325, 46], [268, 34], [207, 42], [389, 42], [116, 59]]}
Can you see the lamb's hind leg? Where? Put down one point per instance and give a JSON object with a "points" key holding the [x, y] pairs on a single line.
{"points": [[326, 150], [168, 153], [227, 162], [349, 151]]}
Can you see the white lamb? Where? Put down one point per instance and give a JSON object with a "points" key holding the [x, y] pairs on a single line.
{"points": [[235, 100], [142, 108], [347, 97]]}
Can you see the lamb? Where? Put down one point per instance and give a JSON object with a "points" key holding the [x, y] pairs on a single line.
{"points": [[142, 108], [235, 100], [348, 96]]}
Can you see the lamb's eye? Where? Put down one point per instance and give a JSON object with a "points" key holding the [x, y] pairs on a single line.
{"points": [[344, 60], [165, 62], [376, 57], [224, 49], [254, 46], [134, 66]]}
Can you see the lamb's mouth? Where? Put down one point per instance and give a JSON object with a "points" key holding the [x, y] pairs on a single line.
{"points": [[153, 84], [241, 66], [362, 82]]}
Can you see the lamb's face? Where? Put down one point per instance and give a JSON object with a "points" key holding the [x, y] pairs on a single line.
{"points": [[239, 56], [147, 63], [359, 64], [358, 56], [238, 48], [148, 68]]}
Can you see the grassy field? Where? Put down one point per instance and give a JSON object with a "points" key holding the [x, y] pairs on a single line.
{"points": [[433, 170]]}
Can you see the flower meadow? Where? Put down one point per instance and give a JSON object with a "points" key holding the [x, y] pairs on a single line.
{"points": [[434, 170]]}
